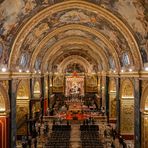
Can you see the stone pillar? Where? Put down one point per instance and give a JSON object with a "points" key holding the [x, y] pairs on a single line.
{"points": [[103, 90], [30, 105], [107, 98], [12, 96], [118, 105], [48, 91], [137, 125], [42, 95]]}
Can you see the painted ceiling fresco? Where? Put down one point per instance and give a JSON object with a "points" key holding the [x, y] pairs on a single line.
{"points": [[14, 14]]}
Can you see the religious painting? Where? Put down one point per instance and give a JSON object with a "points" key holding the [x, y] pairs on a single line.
{"points": [[58, 83], [74, 86], [22, 110], [91, 83]]}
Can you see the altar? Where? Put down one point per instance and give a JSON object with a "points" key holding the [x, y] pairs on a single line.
{"points": [[75, 106]]}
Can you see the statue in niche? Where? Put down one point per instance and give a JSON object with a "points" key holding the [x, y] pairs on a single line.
{"points": [[127, 91]]}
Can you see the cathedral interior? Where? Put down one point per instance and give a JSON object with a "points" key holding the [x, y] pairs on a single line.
{"points": [[74, 73]]}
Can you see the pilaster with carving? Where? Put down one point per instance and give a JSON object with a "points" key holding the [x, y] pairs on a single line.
{"points": [[12, 95], [137, 126]]}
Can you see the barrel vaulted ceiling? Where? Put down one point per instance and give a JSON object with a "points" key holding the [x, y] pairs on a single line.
{"points": [[94, 35]]}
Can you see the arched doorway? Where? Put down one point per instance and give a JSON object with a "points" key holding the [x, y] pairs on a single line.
{"points": [[4, 118], [112, 100], [144, 118], [127, 109]]}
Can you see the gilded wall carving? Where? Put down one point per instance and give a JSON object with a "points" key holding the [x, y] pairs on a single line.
{"points": [[58, 83], [22, 110], [2, 102], [145, 131], [112, 110], [127, 107], [91, 83], [23, 90], [37, 89], [5, 84], [112, 98], [127, 116]]}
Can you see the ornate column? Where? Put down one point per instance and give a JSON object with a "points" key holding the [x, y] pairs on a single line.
{"points": [[48, 90], [103, 90], [30, 104], [107, 98], [42, 95], [137, 118], [12, 96], [118, 104]]}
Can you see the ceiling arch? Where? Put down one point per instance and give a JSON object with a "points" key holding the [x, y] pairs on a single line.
{"points": [[47, 12], [112, 50], [75, 59], [79, 50], [72, 40]]}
